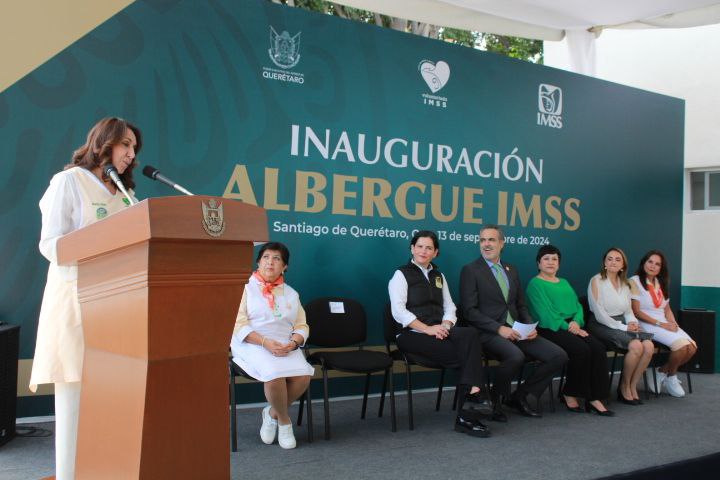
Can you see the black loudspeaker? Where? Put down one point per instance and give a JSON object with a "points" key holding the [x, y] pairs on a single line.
{"points": [[700, 325], [9, 351]]}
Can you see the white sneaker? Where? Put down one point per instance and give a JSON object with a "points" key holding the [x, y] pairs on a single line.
{"points": [[673, 386], [661, 377], [269, 427], [286, 439]]}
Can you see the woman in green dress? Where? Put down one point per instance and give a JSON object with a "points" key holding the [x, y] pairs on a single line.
{"points": [[554, 304]]}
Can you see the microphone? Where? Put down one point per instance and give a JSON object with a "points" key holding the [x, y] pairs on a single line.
{"points": [[154, 174], [112, 172]]}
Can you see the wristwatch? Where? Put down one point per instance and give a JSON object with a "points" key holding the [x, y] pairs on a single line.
{"points": [[657, 323]]}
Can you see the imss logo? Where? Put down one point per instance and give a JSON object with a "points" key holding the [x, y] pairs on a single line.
{"points": [[549, 106]]}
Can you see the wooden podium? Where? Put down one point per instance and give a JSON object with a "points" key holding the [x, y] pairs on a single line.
{"points": [[159, 287]]}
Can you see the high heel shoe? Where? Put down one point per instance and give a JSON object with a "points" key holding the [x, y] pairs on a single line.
{"points": [[590, 408], [575, 409], [621, 398]]}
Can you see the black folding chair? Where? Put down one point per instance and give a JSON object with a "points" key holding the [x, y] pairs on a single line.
{"points": [[391, 328], [337, 322], [236, 371]]}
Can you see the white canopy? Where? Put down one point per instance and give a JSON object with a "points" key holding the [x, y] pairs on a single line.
{"points": [[547, 19], [578, 20]]}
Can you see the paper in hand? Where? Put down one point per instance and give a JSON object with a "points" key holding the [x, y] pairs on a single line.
{"points": [[524, 329]]}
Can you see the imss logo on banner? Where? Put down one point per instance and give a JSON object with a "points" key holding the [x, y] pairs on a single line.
{"points": [[436, 76], [284, 52], [549, 106]]}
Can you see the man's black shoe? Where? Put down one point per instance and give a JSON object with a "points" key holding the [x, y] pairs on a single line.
{"points": [[497, 413], [474, 428], [479, 402], [520, 403]]}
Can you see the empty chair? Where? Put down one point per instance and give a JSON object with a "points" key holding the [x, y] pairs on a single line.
{"points": [[341, 322]]}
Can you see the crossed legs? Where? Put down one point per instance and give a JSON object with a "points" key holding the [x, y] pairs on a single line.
{"points": [[282, 392]]}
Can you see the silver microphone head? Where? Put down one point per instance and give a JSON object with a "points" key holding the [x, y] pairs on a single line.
{"points": [[111, 171]]}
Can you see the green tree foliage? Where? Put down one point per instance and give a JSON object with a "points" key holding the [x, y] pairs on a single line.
{"points": [[515, 47], [459, 37]]}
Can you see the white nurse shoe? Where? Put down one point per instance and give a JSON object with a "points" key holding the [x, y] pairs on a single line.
{"points": [[269, 427], [286, 439], [673, 386], [661, 378]]}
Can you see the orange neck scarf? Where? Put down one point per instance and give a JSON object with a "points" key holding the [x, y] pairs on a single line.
{"points": [[267, 287], [656, 295]]}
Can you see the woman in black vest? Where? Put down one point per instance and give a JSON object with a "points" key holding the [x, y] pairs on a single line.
{"points": [[421, 303]]}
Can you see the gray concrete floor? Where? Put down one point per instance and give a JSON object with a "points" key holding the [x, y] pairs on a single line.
{"points": [[561, 445]]}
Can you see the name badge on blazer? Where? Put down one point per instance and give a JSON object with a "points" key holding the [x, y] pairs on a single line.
{"points": [[438, 282]]}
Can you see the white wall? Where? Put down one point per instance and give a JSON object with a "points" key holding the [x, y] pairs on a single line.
{"points": [[683, 63]]}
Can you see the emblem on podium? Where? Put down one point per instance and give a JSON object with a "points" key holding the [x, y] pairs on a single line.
{"points": [[213, 221]]}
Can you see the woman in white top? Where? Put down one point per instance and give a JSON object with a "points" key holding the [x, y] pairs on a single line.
{"points": [[615, 324], [651, 306], [78, 196], [269, 329]]}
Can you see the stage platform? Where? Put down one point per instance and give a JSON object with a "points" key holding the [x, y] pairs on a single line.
{"points": [[560, 445]]}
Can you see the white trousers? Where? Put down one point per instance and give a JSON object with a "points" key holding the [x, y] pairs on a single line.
{"points": [[67, 410]]}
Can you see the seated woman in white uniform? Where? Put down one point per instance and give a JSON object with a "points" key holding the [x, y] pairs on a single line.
{"points": [[79, 195], [651, 305], [269, 329]]}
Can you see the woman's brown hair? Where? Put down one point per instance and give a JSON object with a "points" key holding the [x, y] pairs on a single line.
{"points": [[663, 277], [97, 150]]}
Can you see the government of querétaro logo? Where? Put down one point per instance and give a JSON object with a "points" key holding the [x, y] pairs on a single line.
{"points": [[284, 50]]}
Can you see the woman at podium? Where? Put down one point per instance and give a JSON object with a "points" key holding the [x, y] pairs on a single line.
{"points": [[79, 195], [269, 329]]}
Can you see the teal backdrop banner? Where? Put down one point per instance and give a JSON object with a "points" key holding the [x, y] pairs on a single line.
{"points": [[352, 137]]}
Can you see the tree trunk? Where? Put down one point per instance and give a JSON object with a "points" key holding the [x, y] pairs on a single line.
{"points": [[398, 24], [419, 28], [340, 10]]}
